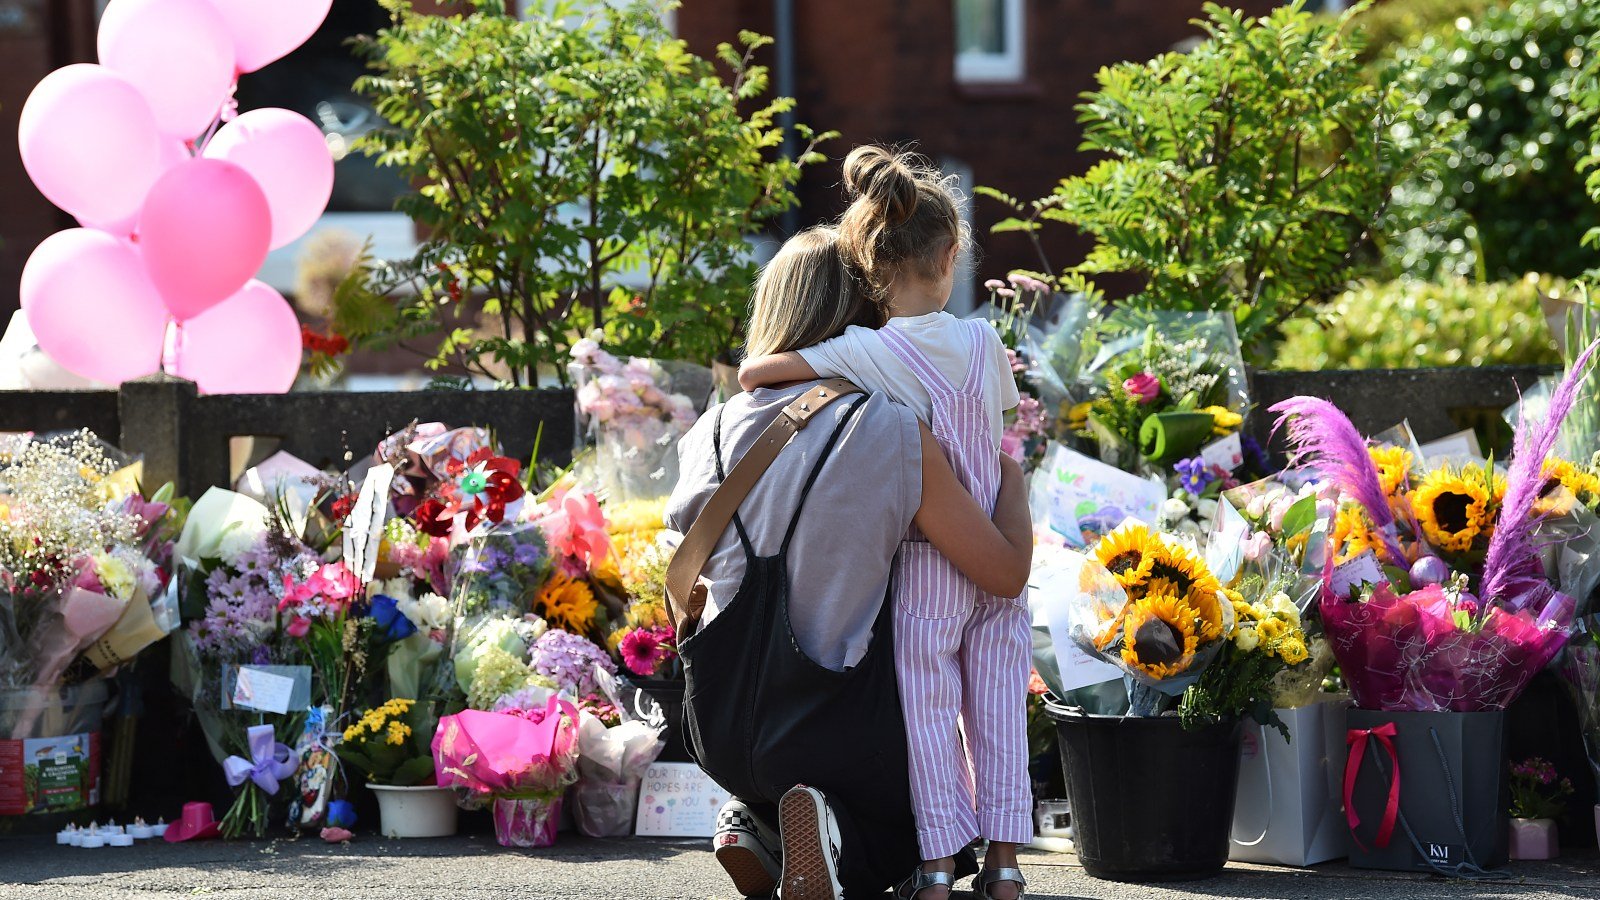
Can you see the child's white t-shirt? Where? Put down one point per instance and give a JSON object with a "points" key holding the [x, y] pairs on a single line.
{"points": [[860, 355]]}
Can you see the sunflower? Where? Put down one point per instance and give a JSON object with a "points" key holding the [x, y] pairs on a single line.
{"points": [[1565, 485], [1195, 584], [1128, 552], [1394, 468], [1452, 509], [1159, 637], [567, 603]]}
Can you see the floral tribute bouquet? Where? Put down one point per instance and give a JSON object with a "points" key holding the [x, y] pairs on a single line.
{"points": [[519, 759], [1417, 628], [1149, 605], [1580, 670], [84, 563], [386, 748], [1167, 399], [633, 413]]}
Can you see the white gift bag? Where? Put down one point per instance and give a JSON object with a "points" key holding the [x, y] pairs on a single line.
{"points": [[1289, 809]]}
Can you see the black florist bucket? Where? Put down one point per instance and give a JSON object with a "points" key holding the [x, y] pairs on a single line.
{"points": [[1150, 801]]}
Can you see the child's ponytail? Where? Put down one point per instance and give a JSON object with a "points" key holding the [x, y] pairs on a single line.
{"points": [[903, 217]]}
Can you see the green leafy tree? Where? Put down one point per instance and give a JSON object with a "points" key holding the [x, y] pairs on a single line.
{"points": [[576, 171], [1248, 174], [1508, 199]]}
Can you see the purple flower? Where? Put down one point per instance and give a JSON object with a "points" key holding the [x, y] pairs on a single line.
{"points": [[1194, 474], [527, 554], [1254, 454], [570, 660]]}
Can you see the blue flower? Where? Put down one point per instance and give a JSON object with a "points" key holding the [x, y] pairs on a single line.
{"points": [[1194, 474], [341, 814], [386, 613]]}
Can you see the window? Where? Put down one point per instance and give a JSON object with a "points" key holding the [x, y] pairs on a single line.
{"points": [[989, 40]]}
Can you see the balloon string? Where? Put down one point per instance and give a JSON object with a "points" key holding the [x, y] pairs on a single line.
{"points": [[230, 106]]}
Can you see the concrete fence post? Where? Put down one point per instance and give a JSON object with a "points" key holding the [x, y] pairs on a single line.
{"points": [[154, 415]]}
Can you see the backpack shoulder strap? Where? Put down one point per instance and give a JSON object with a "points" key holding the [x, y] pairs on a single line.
{"points": [[686, 596]]}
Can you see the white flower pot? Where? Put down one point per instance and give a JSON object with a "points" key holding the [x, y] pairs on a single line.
{"points": [[415, 812]]}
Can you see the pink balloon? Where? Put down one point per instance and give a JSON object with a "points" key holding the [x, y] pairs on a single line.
{"points": [[247, 344], [287, 155], [91, 306], [89, 142], [265, 32], [177, 52], [173, 152], [204, 231]]}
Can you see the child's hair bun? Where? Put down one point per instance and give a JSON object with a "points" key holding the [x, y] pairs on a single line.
{"points": [[884, 180]]}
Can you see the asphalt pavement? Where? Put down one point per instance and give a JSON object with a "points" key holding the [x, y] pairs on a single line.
{"points": [[473, 867]]}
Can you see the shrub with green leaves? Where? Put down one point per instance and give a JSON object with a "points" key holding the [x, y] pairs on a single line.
{"points": [[1392, 24], [1245, 175], [1508, 198], [1416, 324], [577, 170]]}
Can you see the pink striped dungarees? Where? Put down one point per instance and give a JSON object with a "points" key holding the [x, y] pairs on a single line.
{"points": [[962, 656]]}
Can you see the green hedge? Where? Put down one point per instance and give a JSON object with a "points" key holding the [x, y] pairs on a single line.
{"points": [[1407, 323], [1509, 188]]}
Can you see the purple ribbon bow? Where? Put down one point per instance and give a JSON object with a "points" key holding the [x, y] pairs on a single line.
{"points": [[269, 761]]}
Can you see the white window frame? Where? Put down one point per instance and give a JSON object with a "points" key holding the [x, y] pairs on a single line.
{"points": [[1007, 66]]}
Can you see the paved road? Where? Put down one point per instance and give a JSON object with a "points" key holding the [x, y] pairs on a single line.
{"points": [[474, 868]]}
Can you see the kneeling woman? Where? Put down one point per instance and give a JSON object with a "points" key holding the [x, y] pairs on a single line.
{"points": [[792, 704]]}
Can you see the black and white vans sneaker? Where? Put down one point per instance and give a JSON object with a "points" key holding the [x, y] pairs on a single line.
{"points": [[745, 849], [810, 847]]}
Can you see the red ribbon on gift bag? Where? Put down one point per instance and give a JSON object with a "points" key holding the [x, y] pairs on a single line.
{"points": [[1357, 739]]}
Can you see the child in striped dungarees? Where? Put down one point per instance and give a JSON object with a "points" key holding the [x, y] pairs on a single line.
{"points": [[962, 657]]}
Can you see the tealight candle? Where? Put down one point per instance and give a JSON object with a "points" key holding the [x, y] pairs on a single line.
{"points": [[76, 839], [159, 829], [141, 831], [64, 836], [92, 841], [120, 840]]}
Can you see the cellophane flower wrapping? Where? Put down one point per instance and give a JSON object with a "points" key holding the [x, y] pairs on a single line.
{"points": [[1580, 669], [1139, 365], [84, 559], [633, 412], [519, 754], [621, 731], [1148, 605], [1432, 651]]}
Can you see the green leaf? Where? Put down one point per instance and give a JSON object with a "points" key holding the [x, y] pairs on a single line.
{"points": [[1301, 516]]}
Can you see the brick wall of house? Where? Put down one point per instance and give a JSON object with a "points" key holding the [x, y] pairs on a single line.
{"points": [[883, 70]]}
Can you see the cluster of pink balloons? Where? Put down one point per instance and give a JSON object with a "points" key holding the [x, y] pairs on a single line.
{"points": [[178, 214]]}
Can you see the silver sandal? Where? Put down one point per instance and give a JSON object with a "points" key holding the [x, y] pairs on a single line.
{"points": [[921, 881], [982, 881]]}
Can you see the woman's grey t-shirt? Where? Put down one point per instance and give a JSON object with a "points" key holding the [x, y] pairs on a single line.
{"points": [[859, 510]]}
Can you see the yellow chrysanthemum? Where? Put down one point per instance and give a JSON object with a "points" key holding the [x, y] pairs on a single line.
{"points": [[1129, 553], [1452, 509], [1159, 637], [1224, 420], [1293, 651], [1394, 468], [567, 603]]}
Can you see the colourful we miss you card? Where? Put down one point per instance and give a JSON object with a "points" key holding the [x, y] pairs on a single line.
{"points": [[1080, 498]]}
